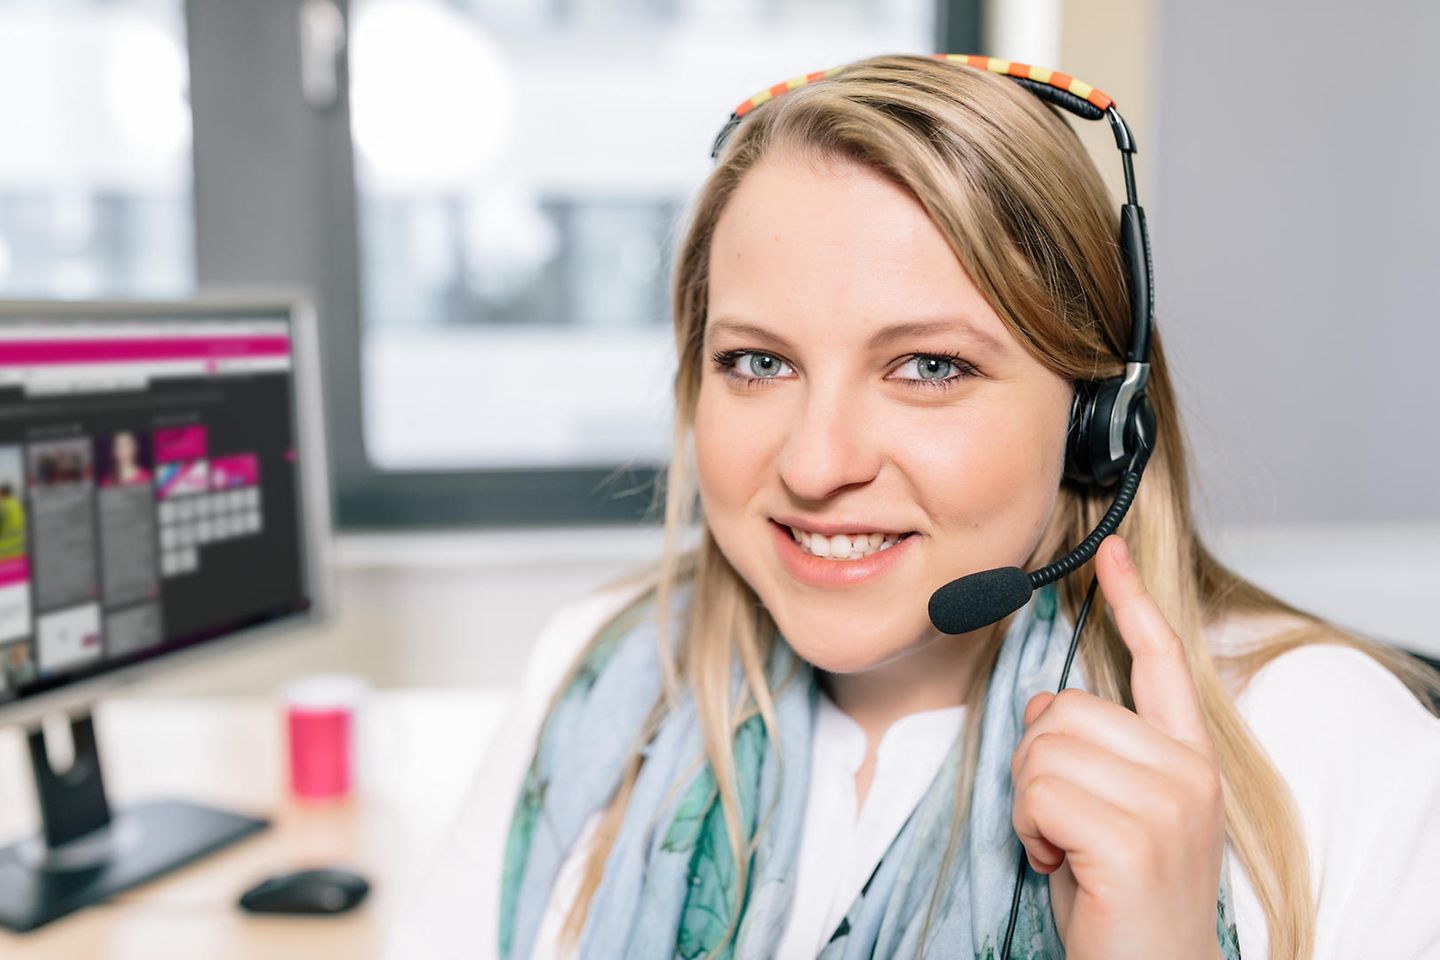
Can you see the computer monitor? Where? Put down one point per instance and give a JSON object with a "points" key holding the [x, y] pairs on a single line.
{"points": [[163, 497]]}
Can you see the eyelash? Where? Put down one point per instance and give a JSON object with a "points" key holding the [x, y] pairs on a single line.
{"points": [[724, 361]]}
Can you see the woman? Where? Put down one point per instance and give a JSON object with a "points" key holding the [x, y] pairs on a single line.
{"points": [[889, 288]]}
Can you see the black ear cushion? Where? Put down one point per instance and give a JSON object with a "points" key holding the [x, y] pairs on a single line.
{"points": [[1077, 459], [1087, 453], [1073, 431]]}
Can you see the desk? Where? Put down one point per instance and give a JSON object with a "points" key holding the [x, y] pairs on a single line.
{"points": [[231, 753]]}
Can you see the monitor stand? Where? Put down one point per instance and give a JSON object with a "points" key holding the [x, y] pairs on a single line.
{"points": [[86, 855]]}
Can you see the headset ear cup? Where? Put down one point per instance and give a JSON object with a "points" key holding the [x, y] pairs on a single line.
{"points": [[1140, 430], [1088, 457], [1077, 460]]}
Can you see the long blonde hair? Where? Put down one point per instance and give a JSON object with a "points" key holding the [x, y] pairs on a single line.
{"points": [[1009, 185]]}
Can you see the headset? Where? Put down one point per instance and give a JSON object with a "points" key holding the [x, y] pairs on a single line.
{"points": [[1111, 431]]}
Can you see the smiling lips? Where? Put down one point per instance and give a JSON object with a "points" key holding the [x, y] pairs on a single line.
{"points": [[844, 546], [838, 560]]}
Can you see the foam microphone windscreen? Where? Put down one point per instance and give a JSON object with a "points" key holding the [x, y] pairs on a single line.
{"points": [[979, 599]]}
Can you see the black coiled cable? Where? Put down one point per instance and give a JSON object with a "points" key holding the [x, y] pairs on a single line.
{"points": [[1076, 558]]}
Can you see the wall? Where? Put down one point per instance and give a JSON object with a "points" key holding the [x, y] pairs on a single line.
{"points": [[1297, 254]]}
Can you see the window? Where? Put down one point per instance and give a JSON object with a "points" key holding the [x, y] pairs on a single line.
{"points": [[521, 174], [95, 186]]}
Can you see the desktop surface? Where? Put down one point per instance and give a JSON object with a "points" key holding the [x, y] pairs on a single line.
{"points": [[424, 747]]}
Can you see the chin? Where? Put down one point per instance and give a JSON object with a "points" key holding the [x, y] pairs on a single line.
{"points": [[838, 645]]}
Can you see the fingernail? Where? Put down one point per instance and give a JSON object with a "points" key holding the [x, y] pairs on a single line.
{"points": [[1122, 554]]}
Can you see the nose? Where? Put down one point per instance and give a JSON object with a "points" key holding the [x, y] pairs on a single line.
{"points": [[827, 445]]}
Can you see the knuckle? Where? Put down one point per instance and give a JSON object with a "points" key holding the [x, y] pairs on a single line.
{"points": [[1038, 757], [1030, 805], [1210, 788], [1044, 748], [1201, 777], [1040, 790]]}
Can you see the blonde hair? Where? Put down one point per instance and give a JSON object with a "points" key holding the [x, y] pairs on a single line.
{"points": [[1007, 182]]}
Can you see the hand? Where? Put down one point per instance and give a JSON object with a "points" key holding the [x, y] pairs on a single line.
{"points": [[1124, 810]]}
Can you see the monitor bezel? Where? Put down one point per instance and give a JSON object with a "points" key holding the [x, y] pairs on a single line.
{"points": [[316, 485]]}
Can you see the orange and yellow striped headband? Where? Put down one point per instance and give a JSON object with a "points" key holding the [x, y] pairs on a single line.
{"points": [[1058, 88], [1056, 79]]}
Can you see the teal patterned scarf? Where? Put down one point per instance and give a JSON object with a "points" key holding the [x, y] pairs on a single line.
{"points": [[670, 887]]}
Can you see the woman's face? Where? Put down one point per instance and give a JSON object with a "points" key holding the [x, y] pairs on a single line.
{"points": [[124, 448], [838, 305]]}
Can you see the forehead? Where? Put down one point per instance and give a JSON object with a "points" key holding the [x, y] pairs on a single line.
{"points": [[808, 246]]}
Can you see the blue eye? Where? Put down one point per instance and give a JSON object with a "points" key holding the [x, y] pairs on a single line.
{"points": [[748, 367], [937, 370], [763, 364], [931, 368]]}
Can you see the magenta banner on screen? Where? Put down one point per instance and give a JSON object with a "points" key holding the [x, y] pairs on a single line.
{"points": [[136, 349], [14, 570], [238, 470], [180, 443]]}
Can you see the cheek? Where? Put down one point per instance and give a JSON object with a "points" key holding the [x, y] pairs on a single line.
{"points": [[734, 448], [992, 468]]}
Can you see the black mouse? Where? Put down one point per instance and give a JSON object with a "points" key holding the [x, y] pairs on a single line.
{"points": [[306, 891]]}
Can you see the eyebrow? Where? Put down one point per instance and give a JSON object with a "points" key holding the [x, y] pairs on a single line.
{"points": [[888, 335], [920, 328]]}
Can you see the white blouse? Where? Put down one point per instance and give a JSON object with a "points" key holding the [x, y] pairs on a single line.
{"points": [[1360, 754], [840, 846]]}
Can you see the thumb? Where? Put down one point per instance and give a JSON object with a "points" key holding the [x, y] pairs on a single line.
{"points": [[1037, 706]]}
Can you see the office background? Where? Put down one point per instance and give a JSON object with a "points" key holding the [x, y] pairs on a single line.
{"points": [[483, 197]]}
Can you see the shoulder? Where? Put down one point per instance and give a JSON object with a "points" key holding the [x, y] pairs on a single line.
{"points": [[455, 912], [1333, 715], [1361, 756], [562, 640], [1321, 690], [567, 631]]}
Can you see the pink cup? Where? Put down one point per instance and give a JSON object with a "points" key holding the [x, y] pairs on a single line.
{"points": [[320, 714]]}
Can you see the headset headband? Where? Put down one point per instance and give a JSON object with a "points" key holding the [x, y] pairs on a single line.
{"points": [[1061, 89]]}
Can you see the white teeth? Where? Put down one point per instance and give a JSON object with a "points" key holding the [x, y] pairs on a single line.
{"points": [[843, 546]]}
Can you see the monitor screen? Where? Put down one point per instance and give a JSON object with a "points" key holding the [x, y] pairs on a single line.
{"points": [[149, 489]]}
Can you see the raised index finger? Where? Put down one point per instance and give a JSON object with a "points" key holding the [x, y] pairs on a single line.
{"points": [[1160, 678]]}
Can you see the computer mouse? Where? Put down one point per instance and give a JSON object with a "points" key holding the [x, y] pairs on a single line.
{"points": [[306, 891]]}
